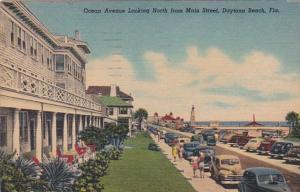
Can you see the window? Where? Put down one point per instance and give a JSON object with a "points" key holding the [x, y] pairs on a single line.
{"points": [[23, 126], [70, 126], [111, 111], [3, 131], [23, 38], [51, 61], [60, 63], [12, 33], [42, 54], [31, 45], [123, 110], [19, 34], [34, 48]]}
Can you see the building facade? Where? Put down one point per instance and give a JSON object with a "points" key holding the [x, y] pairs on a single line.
{"points": [[43, 104], [118, 104]]}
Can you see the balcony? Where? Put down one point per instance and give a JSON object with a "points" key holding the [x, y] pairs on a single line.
{"points": [[14, 79]]}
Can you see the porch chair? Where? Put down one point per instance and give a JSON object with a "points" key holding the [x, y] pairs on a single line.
{"points": [[66, 157]]}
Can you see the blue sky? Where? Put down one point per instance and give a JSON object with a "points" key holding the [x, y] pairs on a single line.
{"points": [[171, 35]]}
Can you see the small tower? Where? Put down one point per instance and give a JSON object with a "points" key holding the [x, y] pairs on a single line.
{"points": [[192, 123]]}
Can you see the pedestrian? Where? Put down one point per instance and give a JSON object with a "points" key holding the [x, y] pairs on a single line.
{"points": [[201, 164], [180, 151], [195, 165], [174, 152], [158, 136]]}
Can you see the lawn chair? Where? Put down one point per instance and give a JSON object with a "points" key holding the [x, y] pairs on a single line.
{"points": [[68, 158]]}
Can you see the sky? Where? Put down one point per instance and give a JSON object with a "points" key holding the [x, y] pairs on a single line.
{"points": [[229, 66]]}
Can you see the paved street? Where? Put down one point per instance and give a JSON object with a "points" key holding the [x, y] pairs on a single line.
{"points": [[200, 184]]}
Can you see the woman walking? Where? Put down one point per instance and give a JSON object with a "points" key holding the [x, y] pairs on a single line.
{"points": [[201, 164], [194, 163], [174, 152]]}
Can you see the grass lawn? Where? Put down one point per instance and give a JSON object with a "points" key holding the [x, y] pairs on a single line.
{"points": [[142, 170]]}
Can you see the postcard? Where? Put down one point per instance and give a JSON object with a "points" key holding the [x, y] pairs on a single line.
{"points": [[149, 96]]}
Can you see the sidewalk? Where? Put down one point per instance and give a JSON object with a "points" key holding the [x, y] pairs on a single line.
{"points": [[200, 184]]}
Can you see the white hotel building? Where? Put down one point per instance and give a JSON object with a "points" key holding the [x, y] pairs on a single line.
{"points": [[43, 104]]}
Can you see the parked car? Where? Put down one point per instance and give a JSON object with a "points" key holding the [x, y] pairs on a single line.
{"points": [[243, 141], [190, 149], [198, 138], [211, 140], [171, 138], [265, 147], [187, 129], [234, 140], [279, 149], [293, 155], [209, 153], [262, 179], [253, 144], [207, 133], [226, 169], [227, 137]]}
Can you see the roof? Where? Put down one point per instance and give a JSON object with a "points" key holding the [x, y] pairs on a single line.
{"points": [[168, 118], [263, 170], [105, 91], [113, 101]]}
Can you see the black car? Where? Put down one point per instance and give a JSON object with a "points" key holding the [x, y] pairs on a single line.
{"points": [[190, 149], [187, 129], [263, 179], [171, 138], [208, 152], [280, 149]]}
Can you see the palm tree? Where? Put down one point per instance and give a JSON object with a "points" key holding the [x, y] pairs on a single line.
{"points": [[140, 115], [293, 120]]}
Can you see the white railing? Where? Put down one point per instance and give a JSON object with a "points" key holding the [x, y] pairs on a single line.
{"points": [[15, 79]]}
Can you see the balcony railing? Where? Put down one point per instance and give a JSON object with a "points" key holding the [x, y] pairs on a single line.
{"points": [[16, 79]]}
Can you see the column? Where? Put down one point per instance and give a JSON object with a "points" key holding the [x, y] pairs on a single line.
{"points": [[53, 135], [99, 122], [16, 132], [65, 133], [90, 122], [73, 131], [80, 128], [38, 136], [85, 121]]}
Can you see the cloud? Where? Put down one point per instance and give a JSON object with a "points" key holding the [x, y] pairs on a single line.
{"points": [[220, 87]]}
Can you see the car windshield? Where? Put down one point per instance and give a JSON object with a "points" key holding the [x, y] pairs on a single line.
{"points": [[271, 179], [170, 135], [230, 161], [190, 145]]}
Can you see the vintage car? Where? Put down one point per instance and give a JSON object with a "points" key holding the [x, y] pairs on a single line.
{"points": [[211, 140], [253, 144], [279, 149], [227, 137], [171, 138], [234, 141], [243, 141], [265, 147], [262, 179], [226, 169], [190, 149], [209, 152], [293, 155], [198, 138]]}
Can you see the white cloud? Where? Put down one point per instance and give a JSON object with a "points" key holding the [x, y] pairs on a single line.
{"points": [[258, 72]]}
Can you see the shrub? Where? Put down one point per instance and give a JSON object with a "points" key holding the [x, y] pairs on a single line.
{"points": [[92, 171]]}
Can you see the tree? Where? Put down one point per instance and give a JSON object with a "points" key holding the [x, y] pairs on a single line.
{"points": [[96, 136], [116, 134], [292, 119], [140, 115]]}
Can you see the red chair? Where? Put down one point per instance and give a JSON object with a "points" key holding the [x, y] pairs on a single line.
{"points": [[36, 161], [68, 158], [80, 150], [92, 147]]}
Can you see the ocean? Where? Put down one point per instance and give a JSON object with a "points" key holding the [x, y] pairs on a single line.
{"points": [[243, 123]]}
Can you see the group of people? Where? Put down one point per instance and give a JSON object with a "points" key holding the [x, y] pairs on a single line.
{"points": [[177, 151], [197, 162]]}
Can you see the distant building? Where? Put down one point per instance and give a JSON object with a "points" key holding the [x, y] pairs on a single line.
{"points": [[170, 120], [193, 117], [254, 123], [118, 104]]}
